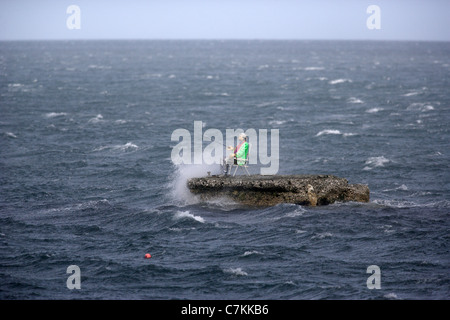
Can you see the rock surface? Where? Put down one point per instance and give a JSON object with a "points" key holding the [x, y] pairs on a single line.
{"points": [[258, 190]]}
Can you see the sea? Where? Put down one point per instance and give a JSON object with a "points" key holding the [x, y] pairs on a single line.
{"points": [[88, 185]]}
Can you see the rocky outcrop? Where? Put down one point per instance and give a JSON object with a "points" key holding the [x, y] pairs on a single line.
{"points": [[259, 190]]}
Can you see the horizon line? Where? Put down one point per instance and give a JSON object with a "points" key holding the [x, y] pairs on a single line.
{"points": [[224, 39]]}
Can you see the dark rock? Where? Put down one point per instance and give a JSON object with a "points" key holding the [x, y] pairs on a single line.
{"points": [[258, 190]]}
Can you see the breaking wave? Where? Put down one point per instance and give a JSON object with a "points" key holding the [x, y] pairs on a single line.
{"points": [[374, 110], [337, 81], [188, 215], [177, 186], [334, 132], [328, 131], [55, 114], [374, 162], [355, 100], [119, 147], [235, 271], [96, 119]]}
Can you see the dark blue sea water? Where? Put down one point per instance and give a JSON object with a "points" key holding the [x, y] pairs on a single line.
{"points": [[86, 175]]}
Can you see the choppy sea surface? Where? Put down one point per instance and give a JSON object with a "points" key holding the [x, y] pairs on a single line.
{"points": [[86, 176]]}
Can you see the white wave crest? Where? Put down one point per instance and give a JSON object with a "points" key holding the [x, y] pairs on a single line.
{"points": [[410, 94], [354, 100], [420, 106], [120, 147], [99, 67], [55, 114], [387, 228], [374, 110], [403, 187], [124, 147], [328, 131], [335, 132], [277, 122], [236, 271], [249, 253], [374, 162], [322, 235], [313, 68], [392, 296], [188, 215], [16, 87], [411, 204], [337, 81], [96, 119], [395, 203], [11, 135]]}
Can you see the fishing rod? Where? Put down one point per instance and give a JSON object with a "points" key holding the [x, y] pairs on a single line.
{"points": [[227, 147]]}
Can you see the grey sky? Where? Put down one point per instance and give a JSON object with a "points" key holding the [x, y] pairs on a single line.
{"points": [[225, 19]]}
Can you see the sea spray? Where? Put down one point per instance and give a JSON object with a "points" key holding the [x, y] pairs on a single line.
{"points": [[178, 189]]}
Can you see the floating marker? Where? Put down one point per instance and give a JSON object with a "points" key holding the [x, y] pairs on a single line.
{"points": [[148, 256]]}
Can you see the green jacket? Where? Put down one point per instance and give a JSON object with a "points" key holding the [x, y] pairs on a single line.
{"points": [[241, 152]]}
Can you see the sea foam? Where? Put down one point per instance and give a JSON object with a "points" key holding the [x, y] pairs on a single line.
{"points": [[313, 68], [249, 253], [328, 131], [188, 215], [374, 162], [236, 271], [96, 119], [374, 110], [335, 132], [420, 106], [322, 235], [354, 100], [177, 186], [119, 147], [337, 81], [55, 114], [11, 135]]}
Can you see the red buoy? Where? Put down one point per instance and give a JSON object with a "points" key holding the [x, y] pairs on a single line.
{"points": [[148, 256]]}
